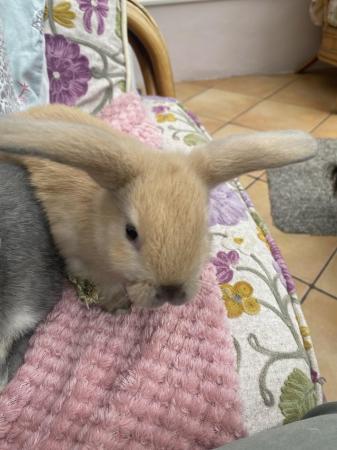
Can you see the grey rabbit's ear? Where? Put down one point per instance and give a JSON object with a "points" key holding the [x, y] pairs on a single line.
{"points": [[111, 159], [222, 160]]}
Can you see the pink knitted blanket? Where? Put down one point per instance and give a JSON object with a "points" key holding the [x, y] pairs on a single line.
{"points": [[161, 379]]}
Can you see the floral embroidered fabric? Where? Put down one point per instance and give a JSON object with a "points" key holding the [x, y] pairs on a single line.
{"points": [[21, 27], [9, 101], [86, 51], [276, 362]]}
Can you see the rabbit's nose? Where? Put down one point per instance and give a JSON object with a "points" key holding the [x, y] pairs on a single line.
{"points": [[172, 293]]}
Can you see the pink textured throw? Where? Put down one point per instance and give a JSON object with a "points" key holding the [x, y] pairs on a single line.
{"points": [[147, 380], [162, 379], [127, 114]]}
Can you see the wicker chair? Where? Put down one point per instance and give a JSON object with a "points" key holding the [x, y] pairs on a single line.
{"points": [[151, 52]]}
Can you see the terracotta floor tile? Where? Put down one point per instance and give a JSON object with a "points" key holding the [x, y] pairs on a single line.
{"points": [[328, 280], [271, 115], [188, 90], [246, 180], [328, 129], [257, 173], [301, 288], [232, 129], [257, 86], [264, 177], [318, 91], [211, 125], [304, 254], [321, 313], [219, 104]]}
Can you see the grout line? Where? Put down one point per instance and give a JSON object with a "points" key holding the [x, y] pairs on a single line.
{"points": [[262, 174], [263, 99], [254, 180], [320, 123], [315, 288], [231, 121], [219, 128], [301, 280], [192, 96], [313, 284], [325, 266], [280, 88], [306, 295], [236, 125], [325, 292], [246, 110]]}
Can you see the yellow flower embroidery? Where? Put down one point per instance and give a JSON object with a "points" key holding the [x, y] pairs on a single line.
{"points": [[238, 240], [239, 298], [305, 332], [62, 14], [262, 236], [251, 306], [307, 344], [166, 117]]}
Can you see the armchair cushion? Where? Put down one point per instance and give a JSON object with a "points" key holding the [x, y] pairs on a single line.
{"points": [[276, 361], [86, 51]]}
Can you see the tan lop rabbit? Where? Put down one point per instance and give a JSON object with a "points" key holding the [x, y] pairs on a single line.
{"points": [[132, 219]]}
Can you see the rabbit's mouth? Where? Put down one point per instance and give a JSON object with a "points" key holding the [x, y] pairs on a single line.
{"points": [[147, 295]]}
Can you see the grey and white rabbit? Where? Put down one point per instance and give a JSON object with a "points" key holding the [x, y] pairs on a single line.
{"points": [[31, 272]]}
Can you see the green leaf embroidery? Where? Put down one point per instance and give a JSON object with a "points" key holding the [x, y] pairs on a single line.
{"points": [[258, 220], [298, 396], [193, 139], [122, 85], [118, 28]]}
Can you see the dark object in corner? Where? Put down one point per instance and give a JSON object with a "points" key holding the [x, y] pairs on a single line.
{"points": [[333, 176]]}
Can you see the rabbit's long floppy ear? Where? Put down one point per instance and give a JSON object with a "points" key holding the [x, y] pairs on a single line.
{"points": [[111, 159], [224, 159]]}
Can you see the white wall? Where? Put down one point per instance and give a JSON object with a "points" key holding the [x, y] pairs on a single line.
{"points": [[218, 38]]}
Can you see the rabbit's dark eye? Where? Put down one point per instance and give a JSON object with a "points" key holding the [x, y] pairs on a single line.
{"points": [[131, 232]]}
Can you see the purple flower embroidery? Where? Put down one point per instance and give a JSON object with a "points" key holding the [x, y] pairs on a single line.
{"points": [[246, 199], [68, 70], [159, 109], [223, 262], [99, 7], [225, 206], [314, 376], [282, 265]]}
